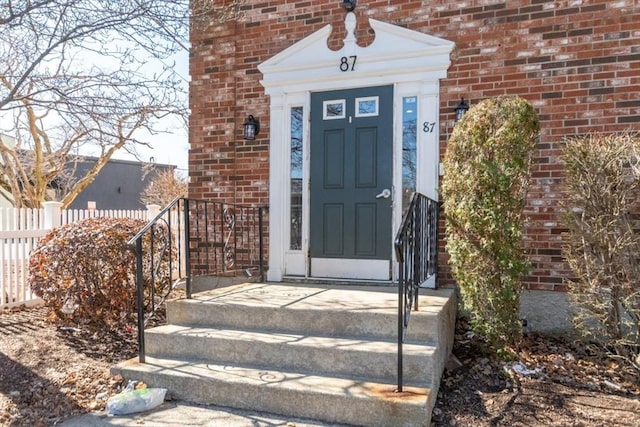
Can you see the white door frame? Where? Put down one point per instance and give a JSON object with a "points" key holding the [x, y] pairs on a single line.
{"points": [[411, 61]]}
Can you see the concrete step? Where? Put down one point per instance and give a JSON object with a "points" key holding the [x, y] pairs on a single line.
{"points": [[360, 357], [330, 399], [355, 311], [322, 352]]}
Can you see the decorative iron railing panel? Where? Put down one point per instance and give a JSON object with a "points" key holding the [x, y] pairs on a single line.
{"points": [[225, 239], [416, 246], [193, 238]]}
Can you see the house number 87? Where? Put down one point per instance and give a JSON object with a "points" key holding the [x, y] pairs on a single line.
{"points": [[348, 63], [428, 127]]}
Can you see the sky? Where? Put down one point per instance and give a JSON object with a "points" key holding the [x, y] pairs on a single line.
{"points": [[171, 147]]}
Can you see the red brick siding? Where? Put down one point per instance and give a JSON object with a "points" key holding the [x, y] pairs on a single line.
{"points": [[577, 62]]}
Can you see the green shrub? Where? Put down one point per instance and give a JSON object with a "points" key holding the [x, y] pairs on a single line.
{"points": [[487, 167], [84, 272], [602, 244]]}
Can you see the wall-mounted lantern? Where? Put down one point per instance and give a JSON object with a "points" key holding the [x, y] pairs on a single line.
{"points": [[349, 5], [461, 109], [251, 128]]}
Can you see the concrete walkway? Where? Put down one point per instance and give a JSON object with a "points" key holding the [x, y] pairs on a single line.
{"points": [[176, 413]]}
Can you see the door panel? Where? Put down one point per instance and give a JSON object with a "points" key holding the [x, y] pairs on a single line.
{"points": [[366, 231], [333, 237], [351, 162], [333, 160], [366, 158]]}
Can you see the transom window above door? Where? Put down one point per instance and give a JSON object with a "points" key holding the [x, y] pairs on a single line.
{"points": [[367, 107], [334, 109], [364, 107]]}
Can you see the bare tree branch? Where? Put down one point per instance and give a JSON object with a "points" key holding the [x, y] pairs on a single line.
{"points": [[77, 77], [13, 15]]}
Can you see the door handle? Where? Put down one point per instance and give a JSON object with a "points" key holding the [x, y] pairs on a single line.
{"points": [[386, 193]]}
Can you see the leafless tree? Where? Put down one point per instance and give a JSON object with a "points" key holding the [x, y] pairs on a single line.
{"points": [[88, 77], [165, 186]]}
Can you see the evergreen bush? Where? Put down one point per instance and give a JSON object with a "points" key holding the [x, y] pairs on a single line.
{"points": [[487, 168]]}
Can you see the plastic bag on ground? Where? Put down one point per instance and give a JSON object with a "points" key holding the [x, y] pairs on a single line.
{"points": [[521, 369], [131, 400]]}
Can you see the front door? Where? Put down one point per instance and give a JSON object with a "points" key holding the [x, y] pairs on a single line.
{"points": [[351, 154]]}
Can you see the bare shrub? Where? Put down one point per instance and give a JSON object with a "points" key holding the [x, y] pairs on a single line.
{"points": [[602, 244], [163, 188], [85, 273]]}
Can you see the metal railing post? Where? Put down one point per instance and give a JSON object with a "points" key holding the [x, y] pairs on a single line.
{"points": [[261, 239], [400, 322], [433, 267], [187, 247], [417, 253], [140, 299]]}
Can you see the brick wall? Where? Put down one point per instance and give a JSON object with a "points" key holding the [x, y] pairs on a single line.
{"points": [[577, 62]]}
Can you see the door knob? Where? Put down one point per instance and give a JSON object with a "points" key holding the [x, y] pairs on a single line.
{"points": [[386, 193]]}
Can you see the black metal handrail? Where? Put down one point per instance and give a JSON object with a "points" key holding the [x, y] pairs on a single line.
{"points": [[416, 246], [190, 238]]}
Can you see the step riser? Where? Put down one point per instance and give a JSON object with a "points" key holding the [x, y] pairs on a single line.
{"points": [[336, 408], [418, 369], [422, 327]]}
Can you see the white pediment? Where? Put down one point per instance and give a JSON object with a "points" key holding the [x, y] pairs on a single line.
{"points": [[396, 55]]}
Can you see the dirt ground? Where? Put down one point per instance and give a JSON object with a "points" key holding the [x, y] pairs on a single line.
{"points": [[49, 373], [551, 382]]}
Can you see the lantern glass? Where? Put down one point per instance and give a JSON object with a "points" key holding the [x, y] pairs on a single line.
{"points": [[461, 109], [249, 131], [251, 128]]}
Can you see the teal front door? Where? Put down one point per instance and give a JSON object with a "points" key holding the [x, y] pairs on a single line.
{"points": [[351, 165]]}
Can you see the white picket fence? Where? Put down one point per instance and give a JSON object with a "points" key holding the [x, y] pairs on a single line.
{"points": [[20, 231]]}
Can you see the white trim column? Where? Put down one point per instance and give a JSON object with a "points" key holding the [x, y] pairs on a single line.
{"points": [[428, 142], [277, 182]]}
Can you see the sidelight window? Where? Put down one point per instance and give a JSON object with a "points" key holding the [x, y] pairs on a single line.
{"points": [[409, 151], [295, 184]]}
